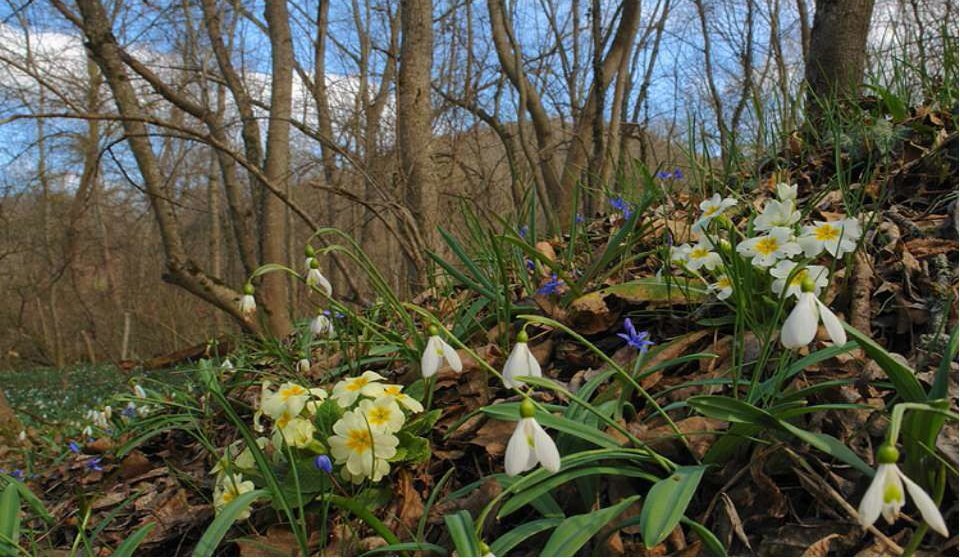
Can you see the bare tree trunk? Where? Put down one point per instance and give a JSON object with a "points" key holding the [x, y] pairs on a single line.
{"points": [[838, 46], [414, 130]]}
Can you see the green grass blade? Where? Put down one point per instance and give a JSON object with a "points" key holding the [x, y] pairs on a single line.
{"points": [[396, 549], [939, 388], [903, 378], [511, 412], [526, 496], [574, 532], [221, 524], [666, 502], [129, 546], [363, 513], [462, 532], [9, 520], [509, 540]]}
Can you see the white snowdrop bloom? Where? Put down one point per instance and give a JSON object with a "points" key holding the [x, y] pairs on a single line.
{"points": [[787, 192], [521, 362], [383, 414], [702, 255], [766, 250], [816, 273], [322, 325], [22, 436], [227, 491], [800, 327], [316, 279], [363, 450], [530, 444], [303, 365], [723, 287], [227, 365], [777, 214], [347, 391], [247, 304], [436, 351], [836, 237], [139, 391], [886, 497], [87, 431], [107, 412]]}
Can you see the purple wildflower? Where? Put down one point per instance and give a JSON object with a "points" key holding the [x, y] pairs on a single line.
{"points": [[551, 286], [530, 265], [17, 474], [638, 340], [663, 175], [579, 219], [323, 463], [73, 447], [524, 231], [622, 206], [94, 464], [677, 174]]}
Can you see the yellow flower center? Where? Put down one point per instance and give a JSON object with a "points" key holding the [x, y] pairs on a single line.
{"points": [[767, 245], [229, 495], [698, 253], [710, 211], [798, 278], [379, 415], [292, 391], [826, 232], [357, 384], [393, 391], [359, 440], [724, 282]]}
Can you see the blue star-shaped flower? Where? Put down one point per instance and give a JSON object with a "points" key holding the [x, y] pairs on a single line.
{"points": [[551, 286], [638, 340], [622, 206]]}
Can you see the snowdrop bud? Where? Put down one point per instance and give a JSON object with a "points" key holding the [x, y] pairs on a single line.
{"points": [[22, 436], [303, 366], [309, 252]]}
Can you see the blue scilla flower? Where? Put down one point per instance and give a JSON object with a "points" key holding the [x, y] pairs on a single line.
{"points": [[622, 206], [94, 464], [638, 340], [677, 174], [663, 175], [524, 231], [323, 463], [579, 219], [551, 286], [73, 447]]}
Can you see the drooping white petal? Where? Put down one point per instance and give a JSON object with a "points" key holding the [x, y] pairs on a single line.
{"points": [[545, 448], [517, 458], [520, 363], [832, 323], [800, 327], [449, 353], [926, 505], [430, 360], [869, 510]]}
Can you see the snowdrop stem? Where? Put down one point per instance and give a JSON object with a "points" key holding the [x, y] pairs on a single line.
{"points": [[431, 385], [896, 417]]}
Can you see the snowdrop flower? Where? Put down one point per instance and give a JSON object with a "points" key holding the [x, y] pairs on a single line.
{"points": [[22, 436], [308, 255], [521, 362], [836, 237], [347, 391], [382, 414], [247, 304], [228, 490], [817, 273], [316, 279], [303, 365], [801, 325], [723, 287], [227, 365], [529, 445], [787, 192], [289, 400], [296, 431], [436, 352], [322, 325], [363, 450], [777, 214], [395, 392], [768, 249], [139, 391], [702, 255], [885, 495], [87, 431]]}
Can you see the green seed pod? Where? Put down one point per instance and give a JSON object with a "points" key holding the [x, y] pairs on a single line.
{"points": [[248, 289], [527, 408], [887, 454], [522, 337]]}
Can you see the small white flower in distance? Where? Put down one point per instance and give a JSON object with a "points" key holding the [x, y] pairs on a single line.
{"points": [[777, 214], [836, 237], [316, 279], [787, 192], [436, 351], [885, 495], [679, 253], [521, 362], [303, 365], [529, 445], [766, 250], [247, 304], [139, 391], [715, 206], [322, 325], [817, 273], [800, 327]]}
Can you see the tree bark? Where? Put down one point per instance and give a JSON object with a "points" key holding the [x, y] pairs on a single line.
{"points": [[838, 46]]}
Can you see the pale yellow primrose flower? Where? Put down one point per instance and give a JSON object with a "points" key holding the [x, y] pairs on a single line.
{"points": [[787, 192], [298, 432], [816, 273], [227, 491], [702, 255], [288, 400], [836, 237], [395, 392], [361, 449], [383, 414], [347, 391], [777, 214], [766, 250], [723, 287]]}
